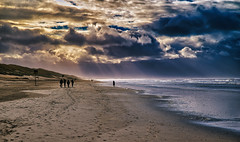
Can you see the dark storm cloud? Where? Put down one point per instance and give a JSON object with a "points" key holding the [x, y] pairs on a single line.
{"points": [[107, 39], [13, 35], [201, 21], [135, 49], [30, 40], [93, 51], [3, 48], [75, 38], [115, 45], [79, 39], [7, 30]]}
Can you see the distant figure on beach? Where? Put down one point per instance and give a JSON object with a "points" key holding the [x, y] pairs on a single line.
{"points": [[68, 83], [113, 83], [72, 81], [64, 81], [61, 82]]}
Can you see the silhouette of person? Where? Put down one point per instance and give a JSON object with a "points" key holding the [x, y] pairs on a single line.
{"points": [[113, 83], [61, 82], [64, 81], [68, 83], [72, 81]]}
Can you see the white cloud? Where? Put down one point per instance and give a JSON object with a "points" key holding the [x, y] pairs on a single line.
{"points": [[187, 52], [171, 55]]}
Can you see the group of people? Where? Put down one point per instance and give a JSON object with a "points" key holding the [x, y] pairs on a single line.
{"points": [[64, 81]]}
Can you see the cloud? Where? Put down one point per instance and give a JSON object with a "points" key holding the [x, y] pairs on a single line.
{"points": [[3, 48], [75, 38], [187, 52], [30, 40], [14, 38], [106, 39], [115, 44], [135, 49], [46, 11], [206, 46], [8, 30], [93, 51], [201, 21], [171, 55]]}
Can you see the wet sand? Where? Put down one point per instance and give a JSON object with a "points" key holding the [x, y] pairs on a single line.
{"points": [[90, 113]]}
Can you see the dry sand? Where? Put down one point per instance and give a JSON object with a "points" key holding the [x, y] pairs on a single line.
{"points": [[90, 113]]}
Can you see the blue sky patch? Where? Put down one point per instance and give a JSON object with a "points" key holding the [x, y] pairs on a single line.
{"points": [[81, 28], [60, 27], [119, 28]]}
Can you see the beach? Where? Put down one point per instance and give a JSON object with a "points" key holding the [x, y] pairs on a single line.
{"points": [[90, 112]]}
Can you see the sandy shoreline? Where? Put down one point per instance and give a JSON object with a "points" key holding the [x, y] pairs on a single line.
{"points": [[89, 112]]}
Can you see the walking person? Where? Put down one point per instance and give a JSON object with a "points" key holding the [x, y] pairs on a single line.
{"points": [[113, 83], [64, 81], [61, 82], [72, 81], [68, 83]]}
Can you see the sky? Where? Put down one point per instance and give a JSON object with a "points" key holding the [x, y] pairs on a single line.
{"points": [[123, 38]]}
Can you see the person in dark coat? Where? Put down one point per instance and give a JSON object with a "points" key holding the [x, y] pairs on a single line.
{"points": [[61, 82], [113, 83], [64, 81], [68, 83], [72, 81]]}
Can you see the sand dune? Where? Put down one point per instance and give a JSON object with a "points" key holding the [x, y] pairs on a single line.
{"points": [[89, 112]]}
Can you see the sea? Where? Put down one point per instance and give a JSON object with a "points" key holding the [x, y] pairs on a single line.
{"points": [[209, 102]]}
